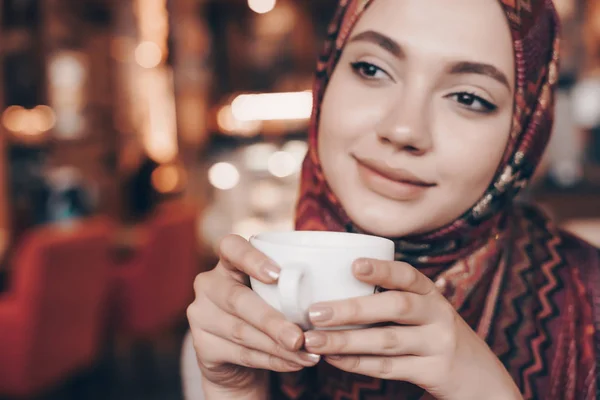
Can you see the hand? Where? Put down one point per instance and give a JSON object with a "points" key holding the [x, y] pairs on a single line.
{"points": [[236, 334], [424, 340]]}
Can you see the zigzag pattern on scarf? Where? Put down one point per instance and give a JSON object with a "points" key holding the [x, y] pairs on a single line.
{"points": [[540, 340], [521, 336]]}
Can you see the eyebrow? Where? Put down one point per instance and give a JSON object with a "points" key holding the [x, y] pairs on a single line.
{"points": [[381, 40], [467, 67], [461, 67]]}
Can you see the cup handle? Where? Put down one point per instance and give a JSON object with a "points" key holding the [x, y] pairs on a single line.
{"points": [[294, 295]]}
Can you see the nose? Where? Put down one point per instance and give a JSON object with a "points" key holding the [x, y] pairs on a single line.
{"points": [[405, 125]]}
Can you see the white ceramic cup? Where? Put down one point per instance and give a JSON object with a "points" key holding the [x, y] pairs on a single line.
{"points": [[316, 267]]}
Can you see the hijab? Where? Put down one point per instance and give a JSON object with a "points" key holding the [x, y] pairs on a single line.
{"points": [[533, 27], [516, 279]]}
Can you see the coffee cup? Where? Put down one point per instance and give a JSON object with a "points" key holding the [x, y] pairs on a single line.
{"points": [[316, 266]]}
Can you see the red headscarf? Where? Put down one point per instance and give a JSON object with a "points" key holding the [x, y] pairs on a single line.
{"points": [[513, 276], [534, 31]]}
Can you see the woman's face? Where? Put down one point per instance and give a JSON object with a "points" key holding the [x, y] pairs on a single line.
{"points": [[417, 113]]}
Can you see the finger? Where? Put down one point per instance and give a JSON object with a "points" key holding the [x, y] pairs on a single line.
{"points": [[392, 275], [238, 331], [237, 256], [399, 307], [397, 368], [385, 341], [216, 351], [241, 301]]}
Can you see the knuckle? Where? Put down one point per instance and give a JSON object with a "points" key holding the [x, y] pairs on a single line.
{"points": [[402, 303], [384, 271], [411, 277], [339, 342], [429, 288], [235, 297], [245, 357], [391, 342], [448, 315], [388, 269], [353, 363], [233, 249], [205, 365], [226, 245], [385, 366], [201, 345], [275, 364], [189, 312], [194, 313], [238, 332], [277, 349], [446, 340], [199, 283], [353, 310], [269, 321]]}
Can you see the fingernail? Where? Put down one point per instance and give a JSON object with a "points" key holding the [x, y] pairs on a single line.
{"points": [[271, 271], [310, 357], [290, 338], [320, 314], [334, 358], [364, 267], [314, 339]]}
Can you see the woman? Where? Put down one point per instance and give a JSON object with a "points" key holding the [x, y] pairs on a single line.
{"points": [[428, 120]]}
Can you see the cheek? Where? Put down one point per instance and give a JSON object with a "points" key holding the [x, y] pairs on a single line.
{"points": [[331, 144], [349, 112], [342, 124], [330, 140], [470, 163]]}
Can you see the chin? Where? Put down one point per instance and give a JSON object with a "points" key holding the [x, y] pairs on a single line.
{"points": [[383, 231], [383, 222], [380, 216]]}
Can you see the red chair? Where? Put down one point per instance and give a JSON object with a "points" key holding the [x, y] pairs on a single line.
{"points": [[152, 292], [51, 318]]}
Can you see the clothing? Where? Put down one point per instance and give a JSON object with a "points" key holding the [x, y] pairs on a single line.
{"points": [[531, 291]]}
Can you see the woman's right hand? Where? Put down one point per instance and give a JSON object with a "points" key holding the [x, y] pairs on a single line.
{"points": [[237, 335]]}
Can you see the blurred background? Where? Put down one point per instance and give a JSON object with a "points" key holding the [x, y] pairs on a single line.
{"points": [[134, 134]]}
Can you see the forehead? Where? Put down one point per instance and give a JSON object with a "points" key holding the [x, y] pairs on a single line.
{"points": [[475, 30]]}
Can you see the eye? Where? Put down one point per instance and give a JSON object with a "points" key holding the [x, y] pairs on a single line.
{"points": [[473, 102], [369, 71]]}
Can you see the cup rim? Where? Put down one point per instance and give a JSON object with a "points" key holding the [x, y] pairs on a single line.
{"points": [[367, 240]]}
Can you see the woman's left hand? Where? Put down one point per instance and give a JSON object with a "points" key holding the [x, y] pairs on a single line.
{"points": [[425, 341]]}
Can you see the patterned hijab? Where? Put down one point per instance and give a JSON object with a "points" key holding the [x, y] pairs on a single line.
{"points": [[507, 270], [533, 25]]}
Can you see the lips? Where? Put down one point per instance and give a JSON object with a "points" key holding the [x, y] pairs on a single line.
{"points": [[394, 183]]}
